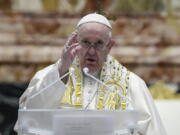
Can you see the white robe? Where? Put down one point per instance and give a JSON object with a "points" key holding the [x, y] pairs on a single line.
{"points": [[141, 100]]}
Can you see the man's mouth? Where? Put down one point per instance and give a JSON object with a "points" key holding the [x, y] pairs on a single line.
{"points": [[90, 61]]}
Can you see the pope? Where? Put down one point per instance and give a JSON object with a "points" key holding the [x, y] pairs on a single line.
{"points": [[88, 47]]}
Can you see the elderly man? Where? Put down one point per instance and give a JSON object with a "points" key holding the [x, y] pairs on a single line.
{"points": [[88, 48]]}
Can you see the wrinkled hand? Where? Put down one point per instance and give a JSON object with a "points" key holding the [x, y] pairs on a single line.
{"points": [[69, 52]]}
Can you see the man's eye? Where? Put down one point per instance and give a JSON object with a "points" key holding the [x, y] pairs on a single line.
{"points": [[86, 42], [99, 42]]}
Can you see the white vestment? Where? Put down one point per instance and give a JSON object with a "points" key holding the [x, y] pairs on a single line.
{"points": [[141, 100]]}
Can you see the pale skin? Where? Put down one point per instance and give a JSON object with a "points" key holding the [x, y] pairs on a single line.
{"points": [[89, 57]]}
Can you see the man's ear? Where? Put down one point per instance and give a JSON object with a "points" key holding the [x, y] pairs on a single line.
{"points": [[110, 44]]}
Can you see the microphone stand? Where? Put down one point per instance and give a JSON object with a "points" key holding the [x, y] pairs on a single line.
{"points": [[43, 89]]}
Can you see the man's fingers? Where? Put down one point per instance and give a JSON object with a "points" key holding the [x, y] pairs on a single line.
{"points": [[72, 39], [69, 48], [75, 51]]}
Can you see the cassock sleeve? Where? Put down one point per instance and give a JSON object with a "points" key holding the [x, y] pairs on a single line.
{"points": [[149, 122]]}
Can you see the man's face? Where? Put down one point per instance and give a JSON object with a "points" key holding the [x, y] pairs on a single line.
{"points": [[95, 45]]}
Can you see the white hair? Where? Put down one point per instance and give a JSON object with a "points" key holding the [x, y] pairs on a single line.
{"points": [[110, 34]]}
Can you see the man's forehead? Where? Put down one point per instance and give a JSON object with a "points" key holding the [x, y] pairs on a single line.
{"points": [[93, 31], [93, 26]]}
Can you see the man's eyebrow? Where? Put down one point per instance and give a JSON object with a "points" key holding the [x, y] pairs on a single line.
{"points": [[100, 41], [85, 39]]}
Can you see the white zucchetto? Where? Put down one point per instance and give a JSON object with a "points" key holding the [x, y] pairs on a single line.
{"points": [[94, 17]]}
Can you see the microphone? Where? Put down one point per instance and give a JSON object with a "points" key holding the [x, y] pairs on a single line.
{"points": [[86, 72], [71, 71]]}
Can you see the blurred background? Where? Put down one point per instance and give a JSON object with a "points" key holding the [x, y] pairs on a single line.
{"points": [[147, 35]]}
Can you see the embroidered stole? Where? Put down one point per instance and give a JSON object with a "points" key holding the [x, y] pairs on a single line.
{"points": [[113, 74]]}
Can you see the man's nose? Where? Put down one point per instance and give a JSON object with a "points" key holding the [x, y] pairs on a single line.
{"points": [[91, 50]]}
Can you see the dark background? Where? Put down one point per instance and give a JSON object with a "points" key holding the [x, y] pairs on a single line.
{"points": [[9, 96]]}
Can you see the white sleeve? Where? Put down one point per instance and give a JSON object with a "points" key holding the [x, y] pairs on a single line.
{"points": [[44, 90], [149, 122]]}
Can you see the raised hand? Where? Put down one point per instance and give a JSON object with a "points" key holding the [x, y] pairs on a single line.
{"points": [[69, 52]]}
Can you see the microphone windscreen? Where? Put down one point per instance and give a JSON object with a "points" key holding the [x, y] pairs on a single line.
{"points": [[71, 70], [85, 70]]}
